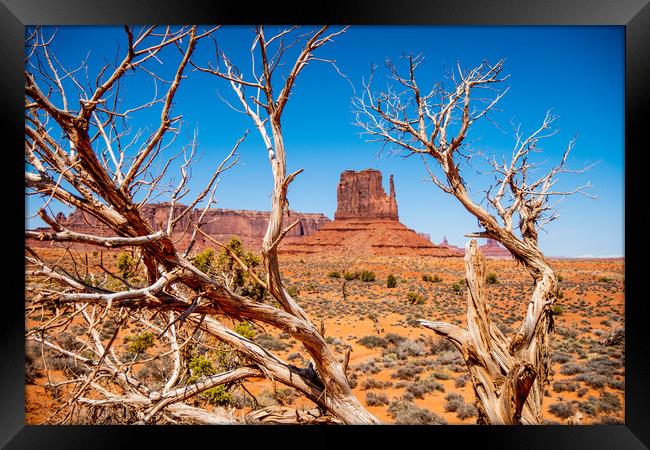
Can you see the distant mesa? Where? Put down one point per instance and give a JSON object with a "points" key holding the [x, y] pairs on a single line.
{"points": [[445, 244], [494, 249], [219, 224], [366, 222]]}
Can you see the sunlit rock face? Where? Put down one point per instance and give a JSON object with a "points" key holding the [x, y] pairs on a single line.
{"points": [[366, 222], [360, 195]]}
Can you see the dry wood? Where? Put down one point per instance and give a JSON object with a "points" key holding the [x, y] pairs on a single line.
{"points": [[509, 375], [95, 177]]}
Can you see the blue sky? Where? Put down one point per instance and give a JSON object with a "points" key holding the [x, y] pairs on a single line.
{"points": [[578, 72]]}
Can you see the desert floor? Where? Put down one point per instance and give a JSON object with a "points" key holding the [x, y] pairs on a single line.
{"points": [[394, 361]]}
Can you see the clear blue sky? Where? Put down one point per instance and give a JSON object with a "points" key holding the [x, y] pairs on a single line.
{"points": [[578, 72]]}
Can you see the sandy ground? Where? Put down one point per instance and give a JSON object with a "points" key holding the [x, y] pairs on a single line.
{"points": [[592, 304]]}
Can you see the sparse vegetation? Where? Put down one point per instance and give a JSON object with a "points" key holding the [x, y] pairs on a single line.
{"points": [[492, 278], [431, 278], [372, 341], [126, 265], [140, 343], [376, 399], [415, 299], [407, 413]]}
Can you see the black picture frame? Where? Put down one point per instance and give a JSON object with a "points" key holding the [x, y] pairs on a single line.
{"points": [[634, 15]]}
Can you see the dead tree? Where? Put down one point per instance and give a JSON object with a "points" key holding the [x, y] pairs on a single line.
{"points": [[81, 152], [508, 374]]}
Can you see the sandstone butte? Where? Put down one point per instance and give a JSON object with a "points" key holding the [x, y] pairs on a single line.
{"points": [[366, 222]]}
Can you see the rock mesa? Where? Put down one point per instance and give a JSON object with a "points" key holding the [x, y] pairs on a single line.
{"points": [[366, 222]]}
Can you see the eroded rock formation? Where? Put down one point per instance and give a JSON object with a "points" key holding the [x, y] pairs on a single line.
{"points": [[366, 223], [361, 195], [220, 224], [495, 250]]}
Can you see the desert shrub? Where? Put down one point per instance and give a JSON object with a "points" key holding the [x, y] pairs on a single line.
{"points": [[589, 407], [245, 329], [415, 298], [126, 264], [368, 367], [603, 365], [466, 410], [454, 401], [604, 280], [440, 376], [581, 392], [407, 413], [456, 288], [293, 291], [372, 341], [438, 344], [139, 343], [431, 278], [204, 261], [371, 383], [200, 366], [419, 388], [559, 277], [349, 276], [394, 338], [407, 372], [563, 385], [567, 332], [242, 281], [412, 321], [461, 381], [285, 396], [560, 357], [556, 310], [408, 348], [563, 410], [570, 368], [492, 278], [592, 379], [155, 371], [242, 400], [450, 357], [391, 281], [608, 402], [217, 395], [334, 274], [374, 399], [294, 355], [270, 342], [616, 384], [367, 276]]}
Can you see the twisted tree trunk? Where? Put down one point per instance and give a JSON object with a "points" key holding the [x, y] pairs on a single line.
{"points": [[508, 375]]}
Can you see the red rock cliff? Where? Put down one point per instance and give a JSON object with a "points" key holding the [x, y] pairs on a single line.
{"points": [[361, 195], [220, 224]]}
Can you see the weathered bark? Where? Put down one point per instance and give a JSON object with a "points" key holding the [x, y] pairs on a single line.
{"points": [[508, 375], [174, 284]]}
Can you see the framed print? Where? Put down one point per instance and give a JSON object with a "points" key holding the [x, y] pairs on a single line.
{"points": [[419, 218]]}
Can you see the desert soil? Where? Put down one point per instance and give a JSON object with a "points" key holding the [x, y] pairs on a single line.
{"points": [[393, 358]]}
